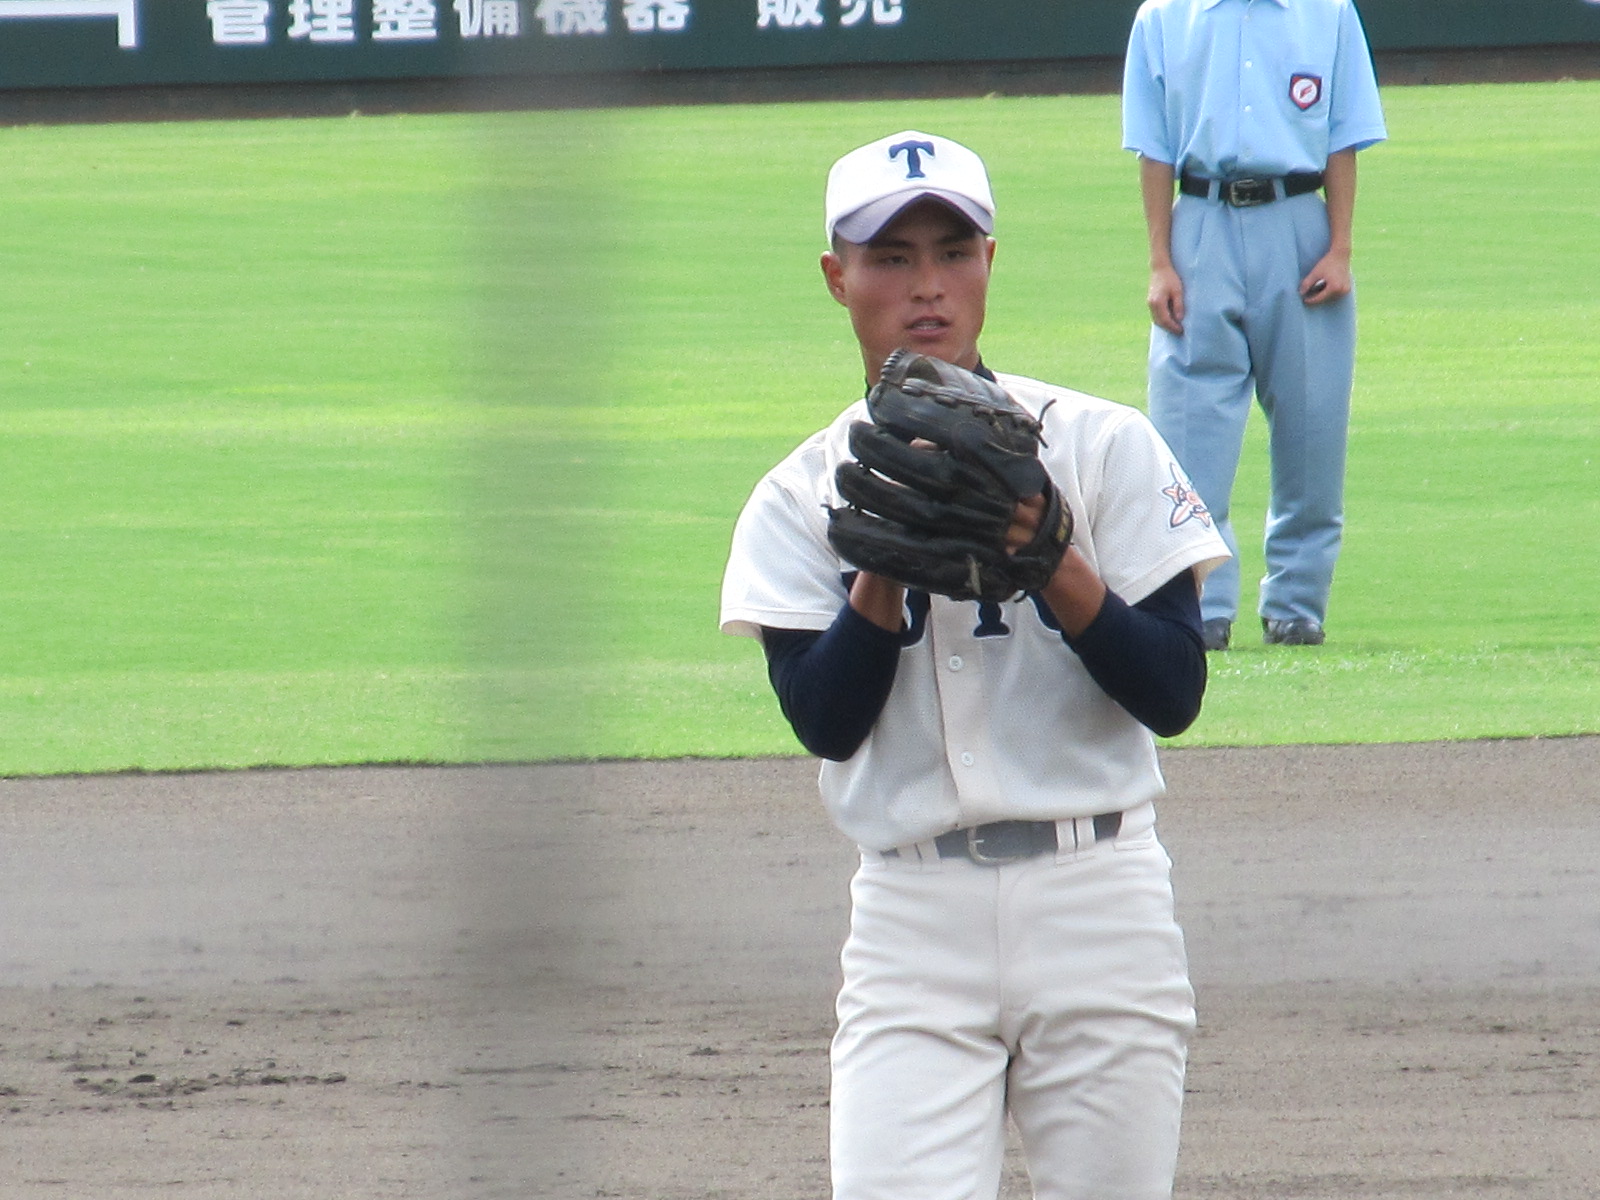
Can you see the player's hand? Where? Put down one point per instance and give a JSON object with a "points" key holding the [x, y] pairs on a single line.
{"points": [[1166, 299], [1328, 280], [1024, 519], [1075, 592], [1024, 523]]}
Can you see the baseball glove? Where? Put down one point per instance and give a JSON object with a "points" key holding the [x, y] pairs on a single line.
{"points": [[937, 475]]}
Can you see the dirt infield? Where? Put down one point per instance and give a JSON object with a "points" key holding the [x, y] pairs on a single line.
{"points": [[616, 980]]}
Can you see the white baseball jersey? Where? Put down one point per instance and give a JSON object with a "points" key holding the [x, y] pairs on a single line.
{"points": [[992, 716]]}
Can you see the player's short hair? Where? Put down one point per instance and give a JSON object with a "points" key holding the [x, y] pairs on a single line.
{"points": [[841, 245]]}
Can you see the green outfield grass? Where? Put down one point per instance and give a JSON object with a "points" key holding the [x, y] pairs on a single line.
{"points": [[420, 438]]}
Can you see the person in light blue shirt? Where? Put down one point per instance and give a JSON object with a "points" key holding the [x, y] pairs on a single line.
{"points": [[1255, 109]]}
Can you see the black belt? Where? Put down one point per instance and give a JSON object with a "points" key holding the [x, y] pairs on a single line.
{"points": [[1008, 841], [1249, 192]]}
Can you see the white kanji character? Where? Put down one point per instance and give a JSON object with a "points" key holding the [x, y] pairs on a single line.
{"points": [[644, 16], [502, 18], [404, 20], [887, 12], [323, 20], [789, 14], [563, 17], [672, 15], [489, 18], [851, 11], [640, 15], [238, 22]]}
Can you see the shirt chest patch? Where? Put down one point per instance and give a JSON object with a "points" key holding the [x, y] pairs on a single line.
{"points": [[1305, 90]]}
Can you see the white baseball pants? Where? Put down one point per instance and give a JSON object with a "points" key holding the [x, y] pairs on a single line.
{"points": [[1055, 989]]}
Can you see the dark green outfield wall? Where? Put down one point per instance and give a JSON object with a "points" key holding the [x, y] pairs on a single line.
{"points": [[99, 43]]}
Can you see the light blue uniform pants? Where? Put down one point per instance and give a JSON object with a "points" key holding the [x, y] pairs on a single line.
{"points": [[1247, 332]]}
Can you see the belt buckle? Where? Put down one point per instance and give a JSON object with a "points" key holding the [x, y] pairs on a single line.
{"points": [[1248, 193], [975, 851]]}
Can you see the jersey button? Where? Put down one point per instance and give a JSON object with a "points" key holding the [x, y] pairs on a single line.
{"points": [[967, 760], [956, 662]]}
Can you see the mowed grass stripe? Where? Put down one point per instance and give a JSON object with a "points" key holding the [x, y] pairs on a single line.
{"points": [[421, 438]]}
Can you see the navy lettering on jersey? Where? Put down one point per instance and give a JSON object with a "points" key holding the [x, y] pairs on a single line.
{"points": [[991, 616], [1046, 617], [914, 152], [918, 605], [990, 624]]}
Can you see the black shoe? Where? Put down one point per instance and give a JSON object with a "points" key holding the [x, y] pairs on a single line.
{"points": [[1217, 633], [1299, 631]]}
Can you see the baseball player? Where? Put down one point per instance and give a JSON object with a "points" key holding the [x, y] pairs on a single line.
{"points": [[1253, 107], [1012, 944]]}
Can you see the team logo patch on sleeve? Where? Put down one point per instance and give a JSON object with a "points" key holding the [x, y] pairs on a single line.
{"points": [[1186, 503], [1305, 90]]}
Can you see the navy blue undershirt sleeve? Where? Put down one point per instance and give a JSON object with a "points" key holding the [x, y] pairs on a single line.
{"points": [[832, 685], [1149, 657]]}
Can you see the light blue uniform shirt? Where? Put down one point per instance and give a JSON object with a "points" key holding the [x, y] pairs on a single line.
{"points": [[1225, 88]]}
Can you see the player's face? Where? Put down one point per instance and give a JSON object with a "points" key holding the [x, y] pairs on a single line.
{"points": [[920, 285]]}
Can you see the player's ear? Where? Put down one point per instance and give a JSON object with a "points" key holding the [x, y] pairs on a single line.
{"points": [[833, 274], [989, 247]]}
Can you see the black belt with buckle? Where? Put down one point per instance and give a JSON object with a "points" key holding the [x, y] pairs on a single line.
{"points": [[1249, 192], [1010, 841]]}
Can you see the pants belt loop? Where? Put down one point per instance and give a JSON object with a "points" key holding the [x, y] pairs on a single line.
{"points": [[1074, 836], [1084, 827]]}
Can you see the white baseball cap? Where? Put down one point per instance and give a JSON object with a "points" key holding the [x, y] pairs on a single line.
{"points": [[868, 187]]}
